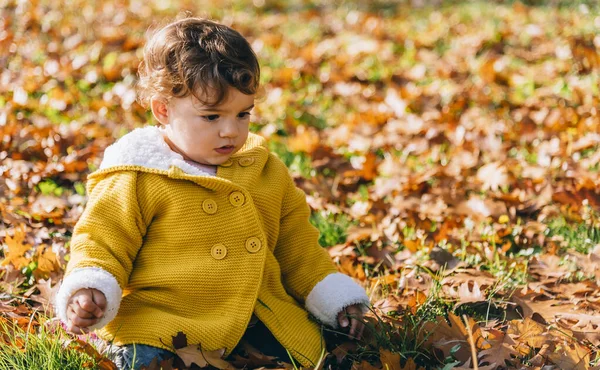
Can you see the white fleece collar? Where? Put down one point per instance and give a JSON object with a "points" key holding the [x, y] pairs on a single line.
{"points": [[146, 147]]}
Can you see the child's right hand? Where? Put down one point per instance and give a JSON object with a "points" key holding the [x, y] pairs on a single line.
{"points": [[84, 309]]}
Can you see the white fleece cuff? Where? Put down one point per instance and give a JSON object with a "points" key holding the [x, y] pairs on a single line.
{"points": [[332, 294], [90, 277]]}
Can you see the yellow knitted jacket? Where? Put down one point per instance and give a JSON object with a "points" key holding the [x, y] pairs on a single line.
{"points": [[174, 249]]}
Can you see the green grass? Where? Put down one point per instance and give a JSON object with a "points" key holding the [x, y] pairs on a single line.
{"points": [[49, 187], [578, 236], [406, 334], [298, 163], [39, 348], [332, 227]]}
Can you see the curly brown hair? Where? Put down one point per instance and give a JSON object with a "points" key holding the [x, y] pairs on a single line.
{"points": [[199, 57]]}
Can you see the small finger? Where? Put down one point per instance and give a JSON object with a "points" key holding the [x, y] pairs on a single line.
{"points": [[361, 330], [87, 304], [81, 322], [76, 329], [84, 323], [343, 319], [99, 298], [354, 327], [80, 312]]}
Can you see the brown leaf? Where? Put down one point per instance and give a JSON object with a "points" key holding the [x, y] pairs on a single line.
{"points": [[179, 340], [466, 294], [501, 351], [529, 332], [251, 357], [548, 309], [470, 276], [342, 350], [390, 360], [16, 248], [445, 335], [583, 326], [493, 176], [571, 357], [47, 261], [194, 354], [47, 291]]}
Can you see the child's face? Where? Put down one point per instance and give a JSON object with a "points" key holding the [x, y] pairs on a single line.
{"points": [[207, 135]]}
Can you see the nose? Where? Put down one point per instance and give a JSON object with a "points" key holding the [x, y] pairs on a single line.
{"points": [[229, 128]]}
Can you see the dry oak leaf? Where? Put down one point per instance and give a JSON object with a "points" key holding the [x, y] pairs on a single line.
{"points": [[583, 326], [529, 333], [461, 276], [414, 301], [547, 309], [47, 291], [479, 208], [465, 294], [548, 267], [572, 356], [493, 176], [501, 351], [445, 335], [15, 249], [254, 358], [103, 363], [589, 264], [342, 350], [410, 365], [47, 260], [392, 303], [194, 354], [390, 360]]}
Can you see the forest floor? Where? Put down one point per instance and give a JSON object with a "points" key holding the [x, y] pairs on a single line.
{"points": [[450, 156]]}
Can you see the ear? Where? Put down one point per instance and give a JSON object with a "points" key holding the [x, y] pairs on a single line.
{"points": [[160, 109]]}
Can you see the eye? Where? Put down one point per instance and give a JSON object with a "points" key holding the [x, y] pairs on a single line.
{"points": [[211, 117], [244, 115]]}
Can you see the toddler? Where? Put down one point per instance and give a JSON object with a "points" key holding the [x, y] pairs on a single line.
{"points": [[194, 226]]}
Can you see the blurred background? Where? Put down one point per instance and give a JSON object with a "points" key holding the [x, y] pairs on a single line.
{"points": [[424, 132]]}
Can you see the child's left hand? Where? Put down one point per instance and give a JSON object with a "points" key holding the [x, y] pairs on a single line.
{"points": [[353, 316]]}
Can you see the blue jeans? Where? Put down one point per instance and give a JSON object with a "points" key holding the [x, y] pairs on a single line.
{"points": [[124, 356]]}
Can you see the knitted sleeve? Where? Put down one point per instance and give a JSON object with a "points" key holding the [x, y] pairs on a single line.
{"points": [[105, 242], [307, 271]]}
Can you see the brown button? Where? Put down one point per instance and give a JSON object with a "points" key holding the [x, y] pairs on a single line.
{"points": [[236, 198], [218, 251], [247, 161], [227, 163], [209, 206], [253, 244]]}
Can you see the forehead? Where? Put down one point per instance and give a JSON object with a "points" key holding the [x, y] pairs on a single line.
{"points": [[233, 100]]}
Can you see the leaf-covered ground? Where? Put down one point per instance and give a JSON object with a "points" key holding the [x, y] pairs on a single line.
{"points": [[450, 154]]}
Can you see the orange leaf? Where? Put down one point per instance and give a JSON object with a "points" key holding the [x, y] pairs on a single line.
{"points": [[389, 360], [46, 259], [16, 249], [416, 300]]}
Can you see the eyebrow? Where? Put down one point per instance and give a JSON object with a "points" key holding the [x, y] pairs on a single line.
{"points": [[208, 109]]}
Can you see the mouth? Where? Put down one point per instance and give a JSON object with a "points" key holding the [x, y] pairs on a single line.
{"points": [[225, 149]]}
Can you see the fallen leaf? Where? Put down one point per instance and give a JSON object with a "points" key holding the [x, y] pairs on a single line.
{"points": [[16, 249], [193, 354]]}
